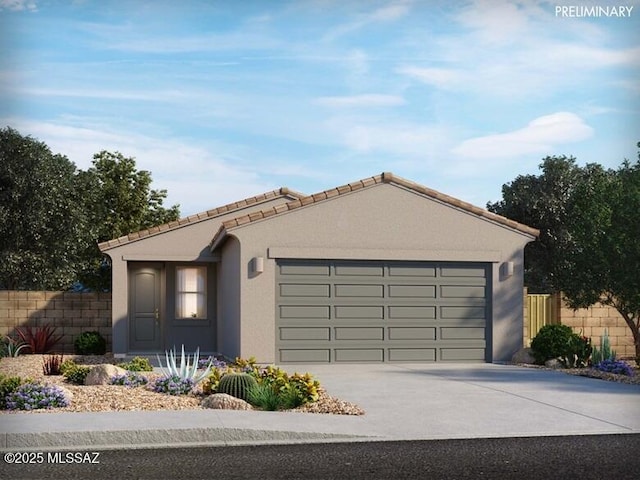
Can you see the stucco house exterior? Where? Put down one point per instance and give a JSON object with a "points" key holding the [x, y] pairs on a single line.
{"points": [[379, 270]]}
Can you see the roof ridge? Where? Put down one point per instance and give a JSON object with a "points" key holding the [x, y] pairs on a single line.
{"points": [[196, 217], [384, 177]]}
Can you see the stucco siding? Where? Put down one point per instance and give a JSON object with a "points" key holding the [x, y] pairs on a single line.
{"points": [[229, 275], [383, 218]]}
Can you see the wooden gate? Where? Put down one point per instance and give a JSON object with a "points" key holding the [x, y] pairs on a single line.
{"points": [[541, 310]]}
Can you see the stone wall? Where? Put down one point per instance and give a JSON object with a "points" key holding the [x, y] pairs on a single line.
{"points": [[593, 321], [71, 313]]}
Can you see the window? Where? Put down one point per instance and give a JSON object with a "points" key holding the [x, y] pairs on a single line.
{"points": [[191, 292]]}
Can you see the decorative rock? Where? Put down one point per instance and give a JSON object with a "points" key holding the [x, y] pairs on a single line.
{"points": [[553, 363], [523, 355], [67, 393], [222, 401], [101, 374]]}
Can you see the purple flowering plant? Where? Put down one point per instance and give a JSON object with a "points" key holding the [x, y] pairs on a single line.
{"points": [[215, 363], [129, 379], [173, 385], [33, 396], [615, 366]]}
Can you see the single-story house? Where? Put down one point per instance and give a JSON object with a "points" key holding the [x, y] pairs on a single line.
{"points": [[379, 270]]}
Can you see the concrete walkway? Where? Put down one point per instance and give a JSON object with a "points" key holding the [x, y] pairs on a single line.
{"points": [[402, 402]]}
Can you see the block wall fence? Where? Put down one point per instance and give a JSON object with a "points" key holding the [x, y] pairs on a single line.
{"points": [[73, 313], [589, 322]]}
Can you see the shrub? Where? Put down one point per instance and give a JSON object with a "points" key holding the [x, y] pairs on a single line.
{"points": [[604, 352], [51, 365], [577, 353], [550, 342], [8, 385], [264, 397], [236, 384], [39, 339], [33, 396], [73, 372], [130, 379], [137, 364], [615, 366], [173, 385], [90, 343]]}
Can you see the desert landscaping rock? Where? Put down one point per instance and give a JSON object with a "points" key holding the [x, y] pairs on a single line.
{"points": [[523, 355], [222, 401], [101, 374]]}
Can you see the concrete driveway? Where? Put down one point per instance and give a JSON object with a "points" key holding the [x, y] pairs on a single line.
{"points": [[402, 402]]}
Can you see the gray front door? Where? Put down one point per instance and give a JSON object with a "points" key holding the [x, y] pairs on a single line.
{"points": [[145, 307], [377, 311]]}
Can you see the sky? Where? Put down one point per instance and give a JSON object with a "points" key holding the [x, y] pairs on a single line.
{"points": [[225, 99]]}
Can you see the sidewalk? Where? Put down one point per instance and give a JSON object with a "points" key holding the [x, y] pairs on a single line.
{"points": [[402, 402]]}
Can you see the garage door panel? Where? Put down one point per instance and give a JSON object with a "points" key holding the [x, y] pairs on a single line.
{"points": [[412, 333], [359, 333], [359, 270], [462, 312], [305, 355], [462, 291], [359, 311], [302, 311], [411, 271], [305, 333], [374, 291], [398, 312], [462, 354], [304, 290], [304, 270], [462, 272], [412, 291], [359, 355], [412, 354], [462, 333]]}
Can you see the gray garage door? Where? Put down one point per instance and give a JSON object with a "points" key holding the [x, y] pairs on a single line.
{"points": [[346, 311]]}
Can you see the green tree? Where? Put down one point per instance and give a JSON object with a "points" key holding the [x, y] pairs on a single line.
{"points": [[120, 201], [542, 202], [604, 263], [589, 247], [42, 222]]}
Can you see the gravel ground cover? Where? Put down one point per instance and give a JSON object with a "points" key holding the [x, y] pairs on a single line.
{"points": [[104, 398]]}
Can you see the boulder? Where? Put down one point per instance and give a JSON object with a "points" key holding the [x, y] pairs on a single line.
{"points": [[222, 401], [523, 355], [101, 374], [68, 395], [553, 363]]}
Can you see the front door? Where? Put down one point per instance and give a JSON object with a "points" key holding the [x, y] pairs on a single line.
{"points": [[145, 308]]}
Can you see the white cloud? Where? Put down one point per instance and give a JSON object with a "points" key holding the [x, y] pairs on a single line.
{"points": [[370, 100], [444, 78], [392, 11], [540, 136], [18, 5]]}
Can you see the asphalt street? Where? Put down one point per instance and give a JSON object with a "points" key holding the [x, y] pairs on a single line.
{"points": [[570, 457]]}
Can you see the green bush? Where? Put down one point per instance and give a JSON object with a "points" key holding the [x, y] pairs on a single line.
{"points": [[264, 397], [90, 343], [578, 352], [551, 342], [137, 364], [604, 352], [73, 372], [8, 385]]}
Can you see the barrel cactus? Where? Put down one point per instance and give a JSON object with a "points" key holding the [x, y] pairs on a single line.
{"points": [[236, 384]]}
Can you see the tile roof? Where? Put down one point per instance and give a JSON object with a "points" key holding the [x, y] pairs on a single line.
{"points": [[386, 177], [198, 217]]}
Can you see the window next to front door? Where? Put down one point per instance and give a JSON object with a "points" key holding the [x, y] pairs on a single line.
{"points": [[191, 292]]}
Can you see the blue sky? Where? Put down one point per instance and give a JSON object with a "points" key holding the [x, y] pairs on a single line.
{"points": [[226, 99]]}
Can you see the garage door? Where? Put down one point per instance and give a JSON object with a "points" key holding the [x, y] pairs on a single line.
{"points": [[346, 311]]}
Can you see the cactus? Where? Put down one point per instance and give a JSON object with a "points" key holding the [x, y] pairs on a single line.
{"points": [[236, 384]]}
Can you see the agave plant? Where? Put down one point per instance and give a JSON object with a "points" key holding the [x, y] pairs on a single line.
{"points": [[187, 369], [13, 347]]}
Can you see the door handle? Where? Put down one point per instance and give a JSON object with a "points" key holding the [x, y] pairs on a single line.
{"points": [[157, 314]]}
